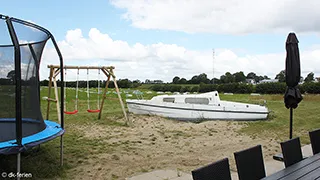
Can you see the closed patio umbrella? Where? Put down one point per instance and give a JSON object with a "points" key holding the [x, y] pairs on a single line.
{"points": [[292, 95]]}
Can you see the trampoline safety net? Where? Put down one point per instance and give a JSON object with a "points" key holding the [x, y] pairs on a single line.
{"points": [[31, 41]]}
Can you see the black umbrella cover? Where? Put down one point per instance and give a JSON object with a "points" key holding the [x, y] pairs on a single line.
{"points": [[292, 95]]}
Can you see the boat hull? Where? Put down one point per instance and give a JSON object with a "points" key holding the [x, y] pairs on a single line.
{"points": [[191, 112]]}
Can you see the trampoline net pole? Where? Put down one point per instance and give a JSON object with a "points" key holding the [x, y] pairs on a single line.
{"points": [[61, 150], [18, 164], [18, 88]]}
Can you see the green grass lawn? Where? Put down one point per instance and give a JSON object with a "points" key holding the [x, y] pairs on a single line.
{"points": [[78, 149], [305, 117]]}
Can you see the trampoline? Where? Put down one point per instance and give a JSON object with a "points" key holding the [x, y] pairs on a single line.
{"points": [[33, 134], [21, 122]]}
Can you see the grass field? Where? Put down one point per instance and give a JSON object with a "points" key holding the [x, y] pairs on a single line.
{"points": [[305, 117], [80, 149]]}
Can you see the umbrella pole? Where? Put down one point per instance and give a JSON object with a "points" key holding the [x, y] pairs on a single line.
{"points": [[291, 114]]}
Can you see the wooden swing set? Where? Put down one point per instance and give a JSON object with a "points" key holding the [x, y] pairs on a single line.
{"points": [[107, 70]]}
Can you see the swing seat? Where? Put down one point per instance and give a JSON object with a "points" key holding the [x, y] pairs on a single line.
{"points": [[93, 110], [71, 112]]}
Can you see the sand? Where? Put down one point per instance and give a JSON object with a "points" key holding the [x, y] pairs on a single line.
{"points": [[158, 143]]}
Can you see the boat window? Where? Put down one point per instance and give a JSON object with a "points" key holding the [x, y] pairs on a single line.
{"points": [[197, 100], [168, 100]]}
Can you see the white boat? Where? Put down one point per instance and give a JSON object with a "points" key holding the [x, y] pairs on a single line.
{"points": [[206, 106]]}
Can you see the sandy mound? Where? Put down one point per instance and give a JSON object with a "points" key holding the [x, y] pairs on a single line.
{"points": [[158, 143]]}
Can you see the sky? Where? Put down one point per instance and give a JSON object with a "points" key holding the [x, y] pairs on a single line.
{"points": [[161, 39]]}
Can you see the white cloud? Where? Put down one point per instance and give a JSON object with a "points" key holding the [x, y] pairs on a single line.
{"points": [[223, 16], [164, 61]]}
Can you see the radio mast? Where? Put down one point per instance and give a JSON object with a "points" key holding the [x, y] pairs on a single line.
{"points": [[212, 66]]}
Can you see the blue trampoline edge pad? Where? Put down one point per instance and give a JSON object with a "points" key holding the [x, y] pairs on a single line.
{"points": [[51, 131]]}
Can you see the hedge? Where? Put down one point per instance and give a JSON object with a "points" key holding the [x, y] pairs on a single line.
{"points": [[174, 88], [229, 87], [280, 88], [271, 88], [311, 88]]}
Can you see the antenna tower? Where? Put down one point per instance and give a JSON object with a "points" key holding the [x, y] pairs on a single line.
{"points": [[213, 66]]}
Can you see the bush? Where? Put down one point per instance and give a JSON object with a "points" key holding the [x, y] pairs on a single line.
{"points": [[194, 89], [301, 89], [135, 85], [184, 89], [43, 83], [229, 87], [207, 87], [157, 87], [175, 88], [311, 87], [271, 88], [244, 88]]}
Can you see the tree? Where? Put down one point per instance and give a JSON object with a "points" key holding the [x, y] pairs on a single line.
{"points": [[136, 83], [203, 78], [223, 79], [281, 76], [193, 80], [147, 81], [183, 81], [301, 79], [215, 81], [251, 75], [11, 75], [259, 78], [309, 78], [239, 77], [175, 80], [124, 83], [227, 78], [44, 83], [256, 78], [230, 78]]}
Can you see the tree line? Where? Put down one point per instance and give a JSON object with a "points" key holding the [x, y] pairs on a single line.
{"points": [[227, 78], [309, 78], [238, 77]]}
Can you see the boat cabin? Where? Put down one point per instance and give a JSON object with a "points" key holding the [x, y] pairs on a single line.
{"points": [[205, 98]]}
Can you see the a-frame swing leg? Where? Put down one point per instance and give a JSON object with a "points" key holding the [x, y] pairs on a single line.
{"points": [[49, 92], [104, 95], [52, 79], [56, 96], [120, 99]]}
